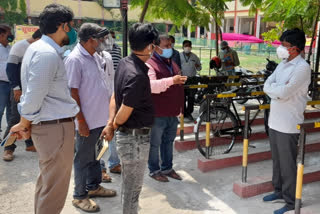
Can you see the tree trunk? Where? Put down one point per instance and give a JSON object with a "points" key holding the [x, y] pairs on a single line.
{"points": [[144, 11], [217, 38], [315, 22]]}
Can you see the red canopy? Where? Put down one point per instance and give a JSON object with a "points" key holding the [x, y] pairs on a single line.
{"points": [[239, 38]]}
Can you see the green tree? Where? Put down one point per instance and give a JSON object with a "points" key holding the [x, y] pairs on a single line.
{"points": [[180, 12], [216, 9], [15, 11]]}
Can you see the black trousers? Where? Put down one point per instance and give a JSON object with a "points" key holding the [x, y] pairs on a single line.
{"points": [[188, 101], [14, 118], [284, 158]]}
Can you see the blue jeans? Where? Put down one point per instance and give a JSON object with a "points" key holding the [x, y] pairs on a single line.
{"points": [[163, 133], [87, 170], [4, 100], [113, 159]]}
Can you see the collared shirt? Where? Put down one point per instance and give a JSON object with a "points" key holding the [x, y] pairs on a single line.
{"points": [[288, 87], [188, 64], [4, 54], [116, 55], [132, 88], [88, 73], [14, 62], [45, 92]]}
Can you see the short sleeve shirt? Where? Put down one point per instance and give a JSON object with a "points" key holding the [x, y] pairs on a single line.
{"points": [[132, 88]]}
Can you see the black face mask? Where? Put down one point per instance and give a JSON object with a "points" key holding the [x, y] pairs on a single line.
{"points": [[10, 38]]}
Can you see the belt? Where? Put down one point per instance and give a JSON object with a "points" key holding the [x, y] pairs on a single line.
{"points": [[64, 120], [134, 132]]}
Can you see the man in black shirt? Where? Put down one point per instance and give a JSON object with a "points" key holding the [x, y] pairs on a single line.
{"points": [[131, 114]]}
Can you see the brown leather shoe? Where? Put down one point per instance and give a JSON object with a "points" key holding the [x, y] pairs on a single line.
{"points": [[105, 177], [160, 177], [116, 169], [174, 175], [8, 155], [31, 149]]}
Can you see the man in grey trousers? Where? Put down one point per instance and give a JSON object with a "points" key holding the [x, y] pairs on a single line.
{"points": [[287, 88], [132, 114]]}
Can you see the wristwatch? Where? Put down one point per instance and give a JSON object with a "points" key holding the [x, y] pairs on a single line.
{"points": [[17, 88]]}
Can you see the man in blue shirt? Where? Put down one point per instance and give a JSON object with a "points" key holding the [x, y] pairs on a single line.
{"points": [[47, 109], [88, 80]]}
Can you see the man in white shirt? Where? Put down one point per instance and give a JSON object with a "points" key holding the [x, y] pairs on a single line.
{"points": [[190, 64], [5, 38], [287, 87]]}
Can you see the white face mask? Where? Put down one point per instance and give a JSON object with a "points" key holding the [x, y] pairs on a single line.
{"points": [[283, 52], [187, 49], [172, 45]]}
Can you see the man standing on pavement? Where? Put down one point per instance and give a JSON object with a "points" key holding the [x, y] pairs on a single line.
{"points": [[114, 50], [132, 113], [88, 82], [288, 89], [190, 64], [47, 109], [175, 54], [229, 59], [13, 72], [167, 93], [5, 38]]}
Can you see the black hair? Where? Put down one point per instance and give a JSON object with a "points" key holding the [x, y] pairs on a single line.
{"points": [[141, 35], [89, 30], [4, 28], [37, 34], [295, 37], [112, 32], [186, 42], [161, 37], [172, 38], [53, 16]]}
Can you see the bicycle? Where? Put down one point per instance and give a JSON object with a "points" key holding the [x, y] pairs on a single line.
{"points": [[225, 126]]}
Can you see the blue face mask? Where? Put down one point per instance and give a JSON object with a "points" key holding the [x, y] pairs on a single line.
{"points": [[167, 53], [72, 35]]}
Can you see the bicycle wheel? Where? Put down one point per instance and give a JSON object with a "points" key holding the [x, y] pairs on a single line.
{"points": [[223, 131]]}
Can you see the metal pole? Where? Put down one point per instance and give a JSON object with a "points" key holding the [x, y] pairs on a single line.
{"points": [[245, 146], [208, 129], [302, 141], [124, 13], [181, 127]]}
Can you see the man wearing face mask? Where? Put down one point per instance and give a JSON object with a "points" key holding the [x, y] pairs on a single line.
{"points": [[47, 109], [288, 88], [5, 38], [131, 114], [167, 93], [88, 82], [229, 59], [190, 64]]}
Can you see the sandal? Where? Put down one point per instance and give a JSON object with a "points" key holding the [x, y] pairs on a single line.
{"points": [[105, 177], [102, 192], [86, 205]]}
